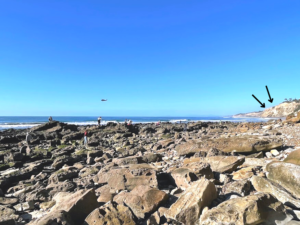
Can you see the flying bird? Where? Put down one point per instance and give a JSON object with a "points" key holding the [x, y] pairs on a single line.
{"points": [[103, 100]]}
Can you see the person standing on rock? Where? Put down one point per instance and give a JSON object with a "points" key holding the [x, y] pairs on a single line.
{"points": [[185, 127], [99, 121], [85, 140], [28, 137]]}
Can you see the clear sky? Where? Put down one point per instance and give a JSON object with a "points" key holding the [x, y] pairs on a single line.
{"points": [[148, 58]]}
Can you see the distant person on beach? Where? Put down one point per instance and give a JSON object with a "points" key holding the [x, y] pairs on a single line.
{"points": [[28, 137], [85, 138], [99, 121], [185, 127], [50, 119]]}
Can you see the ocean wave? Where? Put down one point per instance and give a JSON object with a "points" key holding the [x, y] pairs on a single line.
{"points": [[178, 120], [17, 126]]}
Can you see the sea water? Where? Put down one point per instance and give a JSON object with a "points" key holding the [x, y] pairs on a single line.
{"points": [[23, 122]]}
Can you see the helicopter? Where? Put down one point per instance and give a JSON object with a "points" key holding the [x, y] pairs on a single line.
{"points": [[103, 100]]}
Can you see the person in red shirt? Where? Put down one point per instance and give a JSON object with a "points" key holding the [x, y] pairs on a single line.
{"points": [[85, 138]]}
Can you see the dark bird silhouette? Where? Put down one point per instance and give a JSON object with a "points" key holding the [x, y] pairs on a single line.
{"points": [[103, 100]]}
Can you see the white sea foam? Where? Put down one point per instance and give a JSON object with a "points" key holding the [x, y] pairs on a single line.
{"points": [[178, 120], [17, 126]]}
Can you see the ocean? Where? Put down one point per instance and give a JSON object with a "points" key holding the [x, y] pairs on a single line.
{"points": [[24, 122]]}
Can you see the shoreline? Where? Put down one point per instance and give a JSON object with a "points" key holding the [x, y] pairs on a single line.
{"points": [[27, 125]]}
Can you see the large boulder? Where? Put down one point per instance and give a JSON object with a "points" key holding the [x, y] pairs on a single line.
{"points": [[219, 164], [78, 205], [285, 174], [264, 185], [112, 213], [189, 148], [293, 157], [241, 144], [261, 208], [142, 200], [120, 178], [188, 208]]}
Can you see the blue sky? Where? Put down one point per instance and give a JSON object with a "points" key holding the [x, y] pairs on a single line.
{"points": [[148, 58]]}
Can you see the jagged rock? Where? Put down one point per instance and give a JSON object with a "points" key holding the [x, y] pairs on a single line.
{"points": [[154, 219], [127, 160], [78, 205], [65, 186], [7, 213], [151, 157], [128, 178], [63, 174], [166, 143], [285, 174], [189, 148], [240, 187], [61, 160], [47, 205], [187, 209], [106, 194], [114, 214], [95, 153], [219, 164], [24, 206], [244, 144], [8, 201], [183, 177], [142, 200], [264, 185], [243, 173], [252, 209], [45, 126], [201, 169]]}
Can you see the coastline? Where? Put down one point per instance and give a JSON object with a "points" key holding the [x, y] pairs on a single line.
{"points": [[29, 122]]}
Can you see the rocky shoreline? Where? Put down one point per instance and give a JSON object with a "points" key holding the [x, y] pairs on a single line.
{"points": [[202, 173]]}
